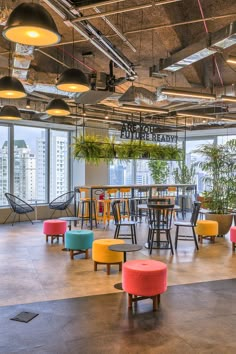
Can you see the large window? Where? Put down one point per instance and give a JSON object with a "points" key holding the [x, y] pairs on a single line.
{"points": [[35, 164], [4, 164], [59, 163], [192, 157], [30, 163]]}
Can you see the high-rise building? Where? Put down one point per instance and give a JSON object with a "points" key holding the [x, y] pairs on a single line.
{"points": [[3, 173], [59, 166], [40, 193]]}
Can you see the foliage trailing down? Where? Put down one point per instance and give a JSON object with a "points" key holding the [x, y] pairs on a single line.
{"points": [[220, 165], [93, 149]]}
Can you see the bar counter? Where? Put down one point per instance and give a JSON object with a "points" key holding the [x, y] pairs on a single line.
{"points": [[133, 187]]}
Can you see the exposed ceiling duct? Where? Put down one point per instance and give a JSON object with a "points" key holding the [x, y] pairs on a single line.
{"points": [[217, 41], [22, 57], [138, 95]]}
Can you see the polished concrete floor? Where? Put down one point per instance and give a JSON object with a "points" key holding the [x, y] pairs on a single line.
{"points": [[197, 313]]}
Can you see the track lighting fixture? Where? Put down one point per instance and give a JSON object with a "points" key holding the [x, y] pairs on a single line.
{"points": [[182, 93]]}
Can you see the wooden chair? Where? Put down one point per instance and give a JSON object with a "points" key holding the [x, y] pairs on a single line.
{"points": [[160, 221], [121, 223], [190, 224]]}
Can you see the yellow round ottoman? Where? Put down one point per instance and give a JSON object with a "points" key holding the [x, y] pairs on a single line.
{"points": [[102, 255], [206, 229]]}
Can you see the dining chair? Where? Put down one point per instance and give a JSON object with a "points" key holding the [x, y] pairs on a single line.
{"points": [[190, 224], [123, 223], [160, 221]]}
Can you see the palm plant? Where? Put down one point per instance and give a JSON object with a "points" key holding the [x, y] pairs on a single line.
{"points": [[184, 174], [220, 165], [159, 171]]}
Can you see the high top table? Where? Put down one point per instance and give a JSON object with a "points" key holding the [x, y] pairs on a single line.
{"points": [[133, 187]]}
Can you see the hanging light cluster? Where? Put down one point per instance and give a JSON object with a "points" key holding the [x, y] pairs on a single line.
{"points": [[30, 24]]}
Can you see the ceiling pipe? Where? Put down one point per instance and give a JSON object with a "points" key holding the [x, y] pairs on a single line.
{"points": [[126, 9], [93, 35], [190, 22], [163, 26], [116, 30], [97, 3], [113, 12]]}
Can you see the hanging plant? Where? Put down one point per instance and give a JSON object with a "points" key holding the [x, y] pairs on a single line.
{"points": [[88, 148], [94, 149], [108, 149], [128, 150]]}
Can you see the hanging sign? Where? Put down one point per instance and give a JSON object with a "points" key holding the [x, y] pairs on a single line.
{"points": [[142, 131]]}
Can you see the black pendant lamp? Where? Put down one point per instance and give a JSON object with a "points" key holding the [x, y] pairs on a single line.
{"points": [[10, 113], [11, 88], [58, 107], [31, 24], [73, 80]]}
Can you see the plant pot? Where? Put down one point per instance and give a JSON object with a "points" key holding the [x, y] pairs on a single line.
{"points": [[224, 221]]}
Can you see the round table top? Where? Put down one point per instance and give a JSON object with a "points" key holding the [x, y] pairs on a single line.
{"points": [[125, 247], [145, 206], [69, 218]]}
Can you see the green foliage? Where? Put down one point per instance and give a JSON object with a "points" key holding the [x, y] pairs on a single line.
{"points": [[184, 174], [93, 149], [220, 165], [159, 170]]}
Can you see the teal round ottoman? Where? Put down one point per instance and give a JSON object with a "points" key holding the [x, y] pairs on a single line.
{"points": [[79, 241]]}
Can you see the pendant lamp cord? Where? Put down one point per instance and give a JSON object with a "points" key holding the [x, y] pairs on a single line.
{"points": [[73, 47], [9, 60]]}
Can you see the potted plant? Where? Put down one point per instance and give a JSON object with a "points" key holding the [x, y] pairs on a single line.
{"points": [[184, 174], [220, 166], [159, 171]]}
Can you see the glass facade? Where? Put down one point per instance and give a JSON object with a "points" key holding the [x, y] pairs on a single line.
{"points": [[31, 158], [59, 163], [137, 171], [4, 164]]}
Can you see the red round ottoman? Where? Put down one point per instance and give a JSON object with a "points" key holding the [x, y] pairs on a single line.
{"points": [[144, 279], [232, 233], [55, 229]]}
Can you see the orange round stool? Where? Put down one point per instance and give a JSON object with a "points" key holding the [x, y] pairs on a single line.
{"points": [[55, 229], [144, 279], [102, 255], [232, 233], [206, 229]]}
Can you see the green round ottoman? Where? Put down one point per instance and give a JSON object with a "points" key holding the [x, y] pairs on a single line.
{"points": [[79, 241]]}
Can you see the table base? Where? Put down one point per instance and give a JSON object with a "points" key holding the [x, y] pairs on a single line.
{"points": [[158, 245], [118, 286]]}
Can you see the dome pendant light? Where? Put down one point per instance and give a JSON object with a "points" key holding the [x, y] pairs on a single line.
{"points": [[10, 113], [58, 107], [12, 88], [73, 80], [31, 24]]}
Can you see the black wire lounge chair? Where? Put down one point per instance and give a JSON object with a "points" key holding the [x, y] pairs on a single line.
{"points": [[18, 206], [62, 203]]}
